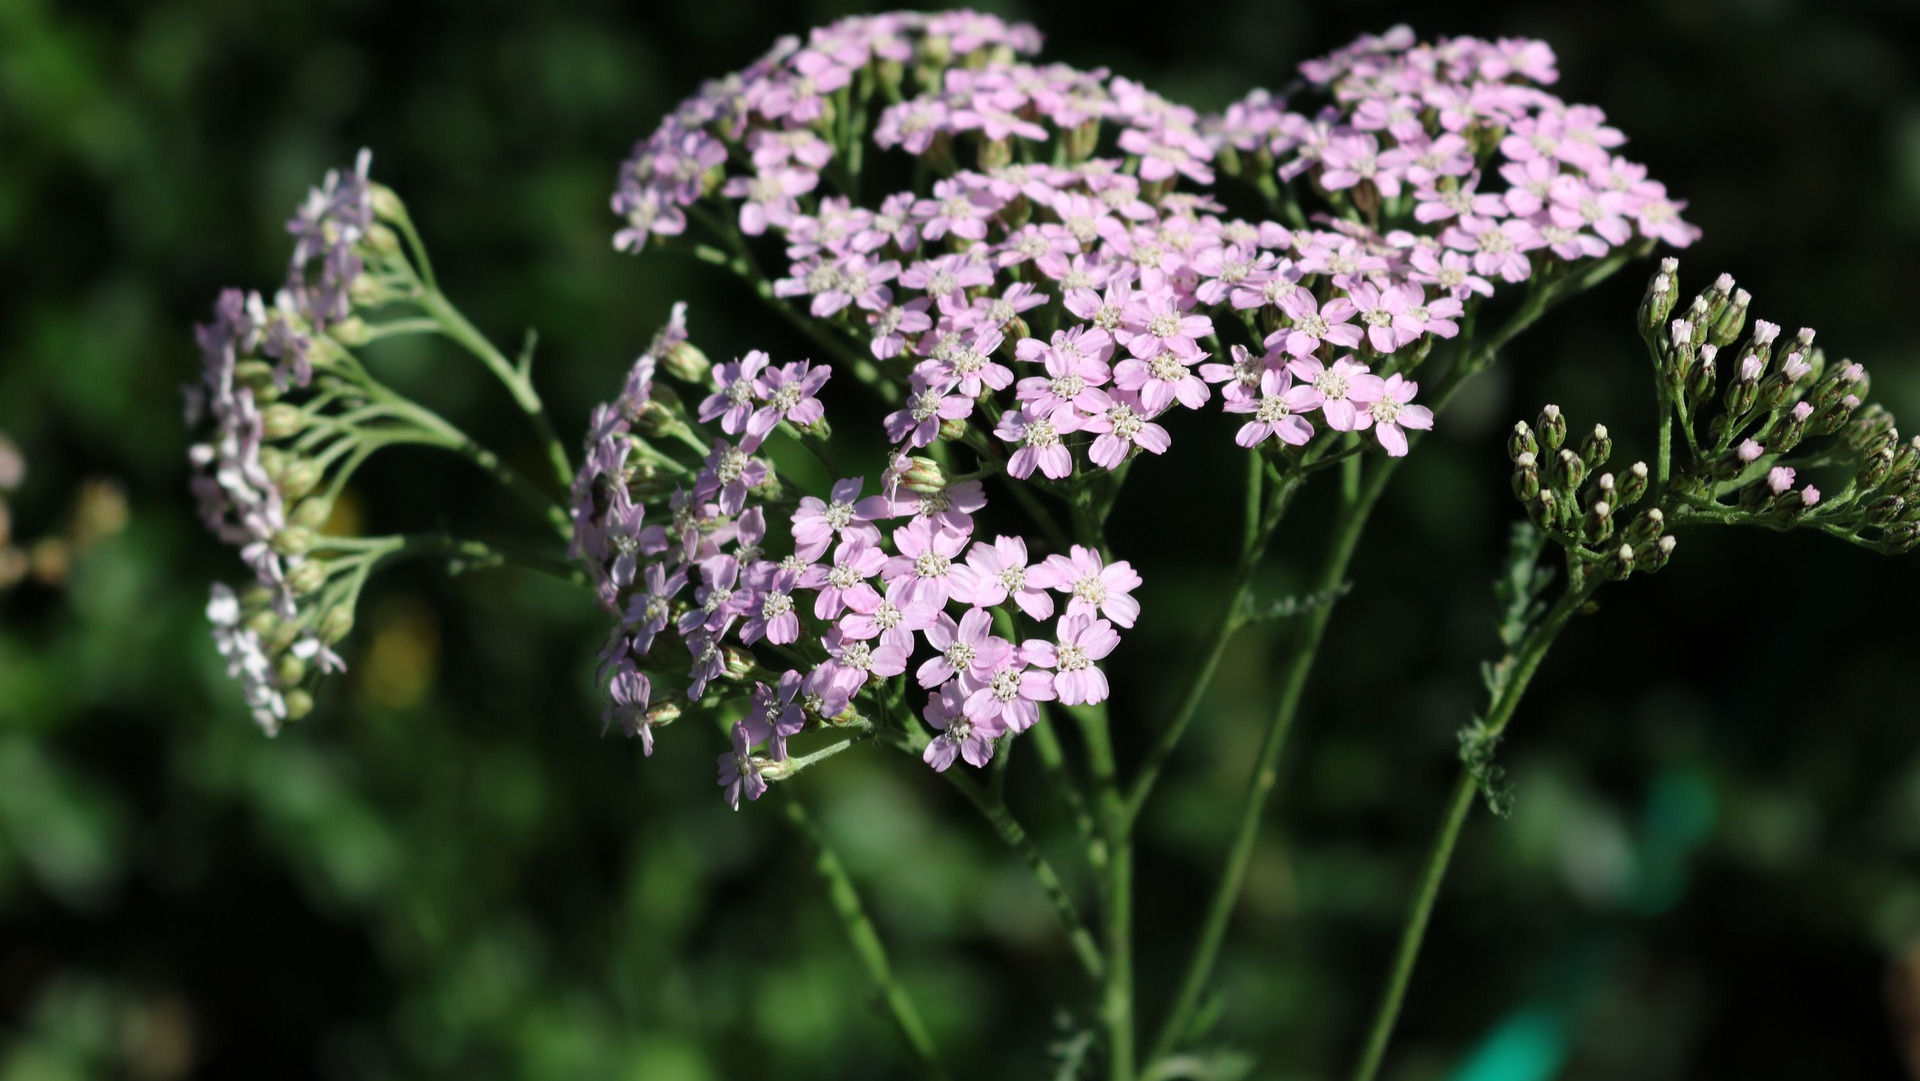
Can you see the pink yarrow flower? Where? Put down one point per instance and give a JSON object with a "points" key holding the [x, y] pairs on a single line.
{"points": [[1092, 585], [1390, 413]]}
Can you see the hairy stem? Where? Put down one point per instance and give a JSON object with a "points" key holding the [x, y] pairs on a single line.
{"points": [[1517, 670], [866, 940]]}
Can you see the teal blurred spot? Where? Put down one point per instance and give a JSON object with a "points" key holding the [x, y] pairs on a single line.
{"points": [[1530, 1045]]}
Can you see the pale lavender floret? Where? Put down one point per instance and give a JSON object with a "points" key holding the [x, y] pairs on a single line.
{"points": [[736, 390], [740, 769], [627, 697], [960, 737], [1163, 379], [917, 423], [1126, 424], [1092, 585], [1007, 696], [787, 393], [1311, 323], [1391, 412], [817, 523], [1273, 414], [893, 618], [855, 562], [1334, 390], [730, 472], [1153, 323], [649, 610], [926, 560], [769, 607], [1079, 641], [1000, 571], [1040, 446], [777, 712], [964, 648]]}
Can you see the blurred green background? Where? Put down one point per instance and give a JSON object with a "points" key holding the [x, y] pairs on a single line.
{"points": [[1714, 865]]}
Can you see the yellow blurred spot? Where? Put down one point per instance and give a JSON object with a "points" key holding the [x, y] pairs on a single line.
{"points": [[402, 653]]}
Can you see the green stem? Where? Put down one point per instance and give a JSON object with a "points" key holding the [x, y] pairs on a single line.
{"points": [[866, 941], [456, 326], [1213, 928], [1053, 758], [438, 431], [1015, 837], [1518, 668], [1261, 525], [1116, 996]]}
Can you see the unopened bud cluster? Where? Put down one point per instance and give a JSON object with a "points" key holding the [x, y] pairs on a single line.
{"points": [[1593, 511], [1760, 416]]}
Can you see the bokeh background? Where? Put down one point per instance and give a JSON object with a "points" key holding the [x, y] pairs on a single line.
{"points": [[1713, 869]]}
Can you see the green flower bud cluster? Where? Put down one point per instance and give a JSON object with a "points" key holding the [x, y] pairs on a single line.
{"points": [[1769, 431], [1571, 496]]}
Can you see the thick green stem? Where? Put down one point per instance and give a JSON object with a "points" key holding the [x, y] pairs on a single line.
{"points": [[866, 941], [516, 380], [1517, 671]]}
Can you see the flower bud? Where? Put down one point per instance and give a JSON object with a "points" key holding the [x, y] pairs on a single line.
{"points": [[1620, 563], [1598, 523], [289, 670], [1526, 477], [1699, 318], [924, 476], [663, 714], [1521, 442], [1552, 427], [1649, 525], [1742, 392], [299, 703], [299, 477], [1662, 291], [280, 420], [739, 662], [1597, 447], [685, 362], [309, 576], [953, 428], [1568, 471], [1605, 488], [1730, 319], [995, 154], [1700, 381], [1884, 509], [1902, 538], [1653, 557], [1875, 469], [311, 513], [336, 624], [1634, 485], [351, 331], [293, 540], [1544, 509], [1863, 433], [386, 205], [1678, 352], [1906, 457], [380, 240]]}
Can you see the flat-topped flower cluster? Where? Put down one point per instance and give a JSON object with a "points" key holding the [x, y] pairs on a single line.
{"points": [[1059, 271]]}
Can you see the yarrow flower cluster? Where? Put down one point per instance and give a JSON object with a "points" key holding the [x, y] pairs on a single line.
{"points": [[813, 599], [1068, 271], [286, 412], [1066, 274]]}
